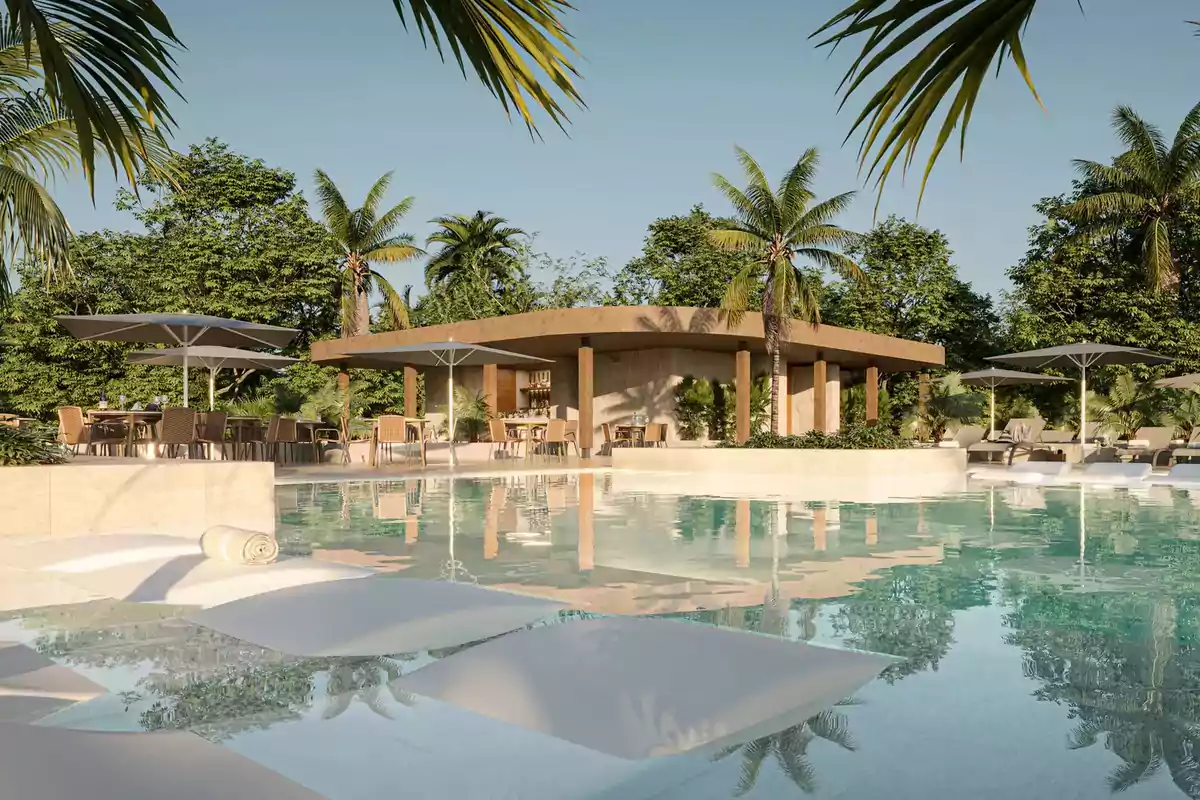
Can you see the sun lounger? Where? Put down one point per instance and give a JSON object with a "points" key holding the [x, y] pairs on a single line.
{"points": [[1181, 475], [1023, 472], [1022, 436], [1149, 444]]}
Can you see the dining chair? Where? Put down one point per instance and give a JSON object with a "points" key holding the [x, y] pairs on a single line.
{"points": [[390, 429], [609, 441], [573, 434], [655, 435], [249, 437], [502, 436], [177, 429], [74, 432], [555, 437], [280, 438], [212, 431]]}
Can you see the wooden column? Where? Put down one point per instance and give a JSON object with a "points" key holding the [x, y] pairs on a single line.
{"points": [[820, 523], [587, 520], [820, 379], [491, 388], [410, 392], [491, 523], [586, 398], [872, 531], [924, 390], [872, 395], [742, 386]]}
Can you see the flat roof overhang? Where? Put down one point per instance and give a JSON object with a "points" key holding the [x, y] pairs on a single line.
{"points": [[558, 333]]}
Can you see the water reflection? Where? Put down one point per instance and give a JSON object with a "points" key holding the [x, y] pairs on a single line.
{"points": [[788, 749]]}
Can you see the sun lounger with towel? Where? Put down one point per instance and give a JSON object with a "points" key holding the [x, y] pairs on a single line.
{"points": [[239, 546], [1019, 434]]}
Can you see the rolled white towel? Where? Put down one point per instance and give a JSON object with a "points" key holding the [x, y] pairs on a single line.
{"points": [[239, 546]]}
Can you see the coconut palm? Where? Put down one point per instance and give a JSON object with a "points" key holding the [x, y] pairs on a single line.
{"points": [[1145, 188], [479, 247], [960, 42], [776, 227], [366, 236]]}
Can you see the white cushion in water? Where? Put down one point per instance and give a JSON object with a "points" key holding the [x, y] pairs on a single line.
{"points": [[374, 617], [1113, 473], [646, 687], [1183, 474], [1038, 471], [199, 581], [56, 763], [91, 553], [32, 686]]}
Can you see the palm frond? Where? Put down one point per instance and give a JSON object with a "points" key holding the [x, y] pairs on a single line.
{"points": [[1106, 205], [795, 193], [1139, 137], [736, 240], [747, 211], [1111, 178], [397, 248], [968, 37], [35, 136], [495, 36], [31, 222], [837, 263], [333, 206], [736, 301], [833, 727], [820, 214], [1156, 255], [104, 61], [369, 210], [395, 306]]}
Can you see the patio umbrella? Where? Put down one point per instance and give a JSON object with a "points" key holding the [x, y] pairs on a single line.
{"points": [[1178, 382], [214, 358], [1082, 355], [185, 330], [992, 377], [438, 354]]}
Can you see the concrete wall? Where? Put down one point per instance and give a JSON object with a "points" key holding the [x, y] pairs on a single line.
{"points": [[803, 395], [170, 498]]}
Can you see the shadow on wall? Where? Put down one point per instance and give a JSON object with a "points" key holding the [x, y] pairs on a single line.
{"points": [[655, 399], [702, 320]]}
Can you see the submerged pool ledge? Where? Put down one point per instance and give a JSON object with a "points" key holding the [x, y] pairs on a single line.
{"points": [[850, 475], [169, 497]]}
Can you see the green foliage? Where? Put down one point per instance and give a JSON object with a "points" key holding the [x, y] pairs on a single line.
{"points": [[912, 291], [1130, 404], [854, 406], [849, 437], [234, 240], [680, 266], [693, 407], [1183, 411], [949, 403], [471, 414], [37, 444]]}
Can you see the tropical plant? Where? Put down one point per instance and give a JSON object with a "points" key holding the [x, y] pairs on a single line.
{"points": [[847, 437], [854, 406], [789, 749], [29, 445], [776, 227], [365, 236], [949, 403], [258, 406], [1183, 411], [693, 406], [1146, 188], [477, 260], [960, 41], [471, 414], [1130, 404]]}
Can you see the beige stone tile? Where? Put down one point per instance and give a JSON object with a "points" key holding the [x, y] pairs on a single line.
{"points": [[241, 495], [163, 498], [25, 501]]}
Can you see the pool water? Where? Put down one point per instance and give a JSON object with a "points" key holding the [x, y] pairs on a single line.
{"points": [[1047, 640]]}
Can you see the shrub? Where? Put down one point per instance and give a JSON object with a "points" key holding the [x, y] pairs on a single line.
{"points": [[850, 437], [35, 444], [693, 406]]}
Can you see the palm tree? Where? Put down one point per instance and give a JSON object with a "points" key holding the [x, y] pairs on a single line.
{"points": [[962, 39], [477, 253], [477, 246], [1146, 187], [776, 226], [365, 236]]}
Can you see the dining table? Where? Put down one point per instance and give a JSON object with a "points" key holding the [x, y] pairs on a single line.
{"points": [[133, 419], [634, 432], [527, 428]]}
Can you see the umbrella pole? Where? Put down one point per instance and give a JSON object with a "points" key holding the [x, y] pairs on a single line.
{"points": [[450, 403], [212, 387], [1082, 407], [185, 374], [992, 435]]}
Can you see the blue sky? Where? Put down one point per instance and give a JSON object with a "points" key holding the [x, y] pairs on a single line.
{"points": [[671, 86]]}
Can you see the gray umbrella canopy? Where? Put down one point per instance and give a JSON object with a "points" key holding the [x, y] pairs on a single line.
{"points": [[1082, 355], [1178, 382], [185, 330], [992, 377], [214, 358], [439, 354]]}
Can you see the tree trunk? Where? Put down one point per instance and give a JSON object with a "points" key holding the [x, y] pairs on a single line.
{"points": [[344, 422], [771, 323], [362, 304]]}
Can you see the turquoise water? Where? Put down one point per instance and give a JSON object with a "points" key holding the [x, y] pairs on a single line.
{"points": [[1047, 637]]}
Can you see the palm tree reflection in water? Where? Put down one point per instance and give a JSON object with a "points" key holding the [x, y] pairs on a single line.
{"points": [[789, 749]]}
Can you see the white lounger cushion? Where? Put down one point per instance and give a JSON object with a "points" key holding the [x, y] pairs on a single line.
{"points": [[375, 616], [639, 688], [1114, 473], [1023, 472], [1183, 473]]}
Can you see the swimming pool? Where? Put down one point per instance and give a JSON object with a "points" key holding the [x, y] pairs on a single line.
{"points": [[1047, 640]]}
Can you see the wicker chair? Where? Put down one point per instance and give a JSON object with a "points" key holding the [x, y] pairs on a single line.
{"points": [[212, 431], [502, 436], [555, 438], [75, 433], [610, 442], [573, 434], [391, 429], [177, 429], [656, 435], [281, 438]]}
